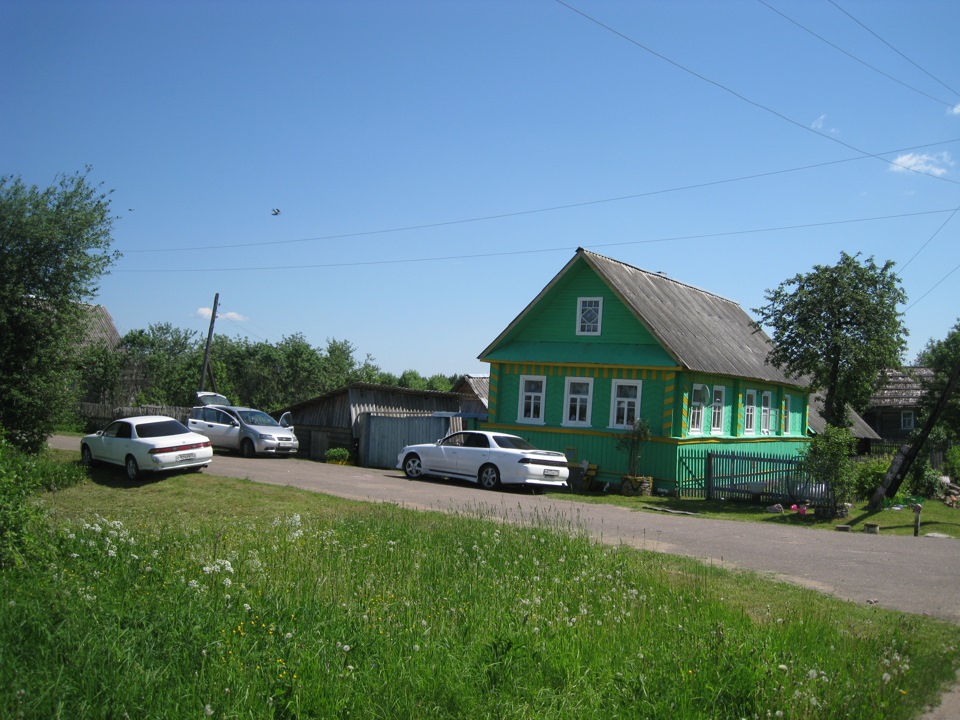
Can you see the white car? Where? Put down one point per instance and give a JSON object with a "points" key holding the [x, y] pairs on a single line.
{"points": [[487, 458], [148, 443], [248, 430]]}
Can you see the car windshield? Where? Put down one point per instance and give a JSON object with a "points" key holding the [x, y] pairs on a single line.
{"points": [[512, 442], [257, 417], [160, 429]]}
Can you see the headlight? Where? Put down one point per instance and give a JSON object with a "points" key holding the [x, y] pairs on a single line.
{"points": [[264, 436]]}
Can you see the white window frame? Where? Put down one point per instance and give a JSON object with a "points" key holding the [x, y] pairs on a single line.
{"points": [[908, 420], [766, 412], [581, 303], [697, 409], [716, 409], [786, 414], [587, 403], [750, 412], [540, 396], [614, 399]]}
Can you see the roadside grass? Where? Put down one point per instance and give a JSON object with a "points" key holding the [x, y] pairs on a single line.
{"points": [[200, 596], [935, 517]]}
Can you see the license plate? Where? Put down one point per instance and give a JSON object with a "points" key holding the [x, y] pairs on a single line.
{"points": [[186, 456], [551, 473], [283, 445]]}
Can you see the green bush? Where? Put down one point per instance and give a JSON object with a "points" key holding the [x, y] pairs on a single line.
{"points": [[338, 456], [22, 535], [951, 463], [925, 482], [828, 459], [869, 475]]}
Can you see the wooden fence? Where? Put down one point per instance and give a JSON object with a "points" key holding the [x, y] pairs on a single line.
{"points": [[765, 479], [96, 416]]}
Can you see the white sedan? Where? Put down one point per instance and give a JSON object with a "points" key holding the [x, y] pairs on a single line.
{"points": [[487, 458], [148, 443]]}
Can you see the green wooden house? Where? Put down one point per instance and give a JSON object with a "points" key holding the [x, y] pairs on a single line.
{"points": [[605, 343]]}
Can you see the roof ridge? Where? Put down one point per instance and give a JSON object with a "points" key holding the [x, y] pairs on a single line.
{"points": [[659, 275]]}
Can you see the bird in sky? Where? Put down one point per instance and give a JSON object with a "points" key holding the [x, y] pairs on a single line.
{"points": [[276, 211]]}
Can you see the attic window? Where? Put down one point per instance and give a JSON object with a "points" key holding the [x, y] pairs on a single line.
{"points": [[589, 315]]}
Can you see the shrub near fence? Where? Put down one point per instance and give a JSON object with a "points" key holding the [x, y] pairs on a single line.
{"points": [[97, 417]]}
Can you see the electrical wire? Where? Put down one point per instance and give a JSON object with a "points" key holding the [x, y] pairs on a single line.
{"points": [[744, 98], [474, 256], [521, 213], [854, 57], [919, 67]]}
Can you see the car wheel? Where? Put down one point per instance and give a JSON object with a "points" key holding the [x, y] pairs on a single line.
{"points": [[412, 466], [86, 457], [489, 477], [246, 448], [133, 470]]}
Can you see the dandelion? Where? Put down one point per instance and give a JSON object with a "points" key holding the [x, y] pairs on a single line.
{"points": [[782, 667], [207, 710], [886, 677]]}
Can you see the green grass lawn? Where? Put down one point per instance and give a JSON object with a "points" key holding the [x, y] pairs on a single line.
{"points": [[197, 596]]}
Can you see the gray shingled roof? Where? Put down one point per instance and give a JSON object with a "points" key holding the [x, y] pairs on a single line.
{"points": [[901, 388], [703, 332]]}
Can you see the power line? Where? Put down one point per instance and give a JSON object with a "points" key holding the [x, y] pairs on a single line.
{"points": [[521, 213], [474, 256], [935, 286], [920, 68], [854, 57], [742, 97], [930, 240]]}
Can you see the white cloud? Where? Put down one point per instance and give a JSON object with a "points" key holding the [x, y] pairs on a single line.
{"points": [[820, 125], [955, 110], [205, 313], [936, 164]]}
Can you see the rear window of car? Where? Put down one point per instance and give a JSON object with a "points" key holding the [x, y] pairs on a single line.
{"points": [[161, 429], [512, 443]]}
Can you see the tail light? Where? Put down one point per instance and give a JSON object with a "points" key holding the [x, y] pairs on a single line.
{"points": [[179, 448]]}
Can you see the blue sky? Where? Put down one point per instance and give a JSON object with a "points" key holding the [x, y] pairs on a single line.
{"points": [[435, 164]]}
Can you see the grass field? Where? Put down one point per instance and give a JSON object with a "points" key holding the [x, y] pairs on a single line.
{"points": [[198, 596]]}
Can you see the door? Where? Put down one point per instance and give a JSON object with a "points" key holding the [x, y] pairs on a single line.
{"points": [[474, 453], [220, 427]]}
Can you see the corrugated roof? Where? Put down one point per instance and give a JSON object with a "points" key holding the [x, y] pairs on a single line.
{"points": [[479, 385], [858, 426], [100, 327], [701, 331]]}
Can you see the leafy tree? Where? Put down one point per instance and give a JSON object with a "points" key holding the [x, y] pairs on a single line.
{"points": [[943, 356], [54, 248], [162, 364], [836, 327]]}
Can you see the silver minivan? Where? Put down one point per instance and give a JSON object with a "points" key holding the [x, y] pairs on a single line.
{"points": [[250, 431]]}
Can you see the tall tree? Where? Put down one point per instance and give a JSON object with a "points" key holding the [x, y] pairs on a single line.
{"points": [[162, 364], [54, 248], [837, 327], [943, 356]]}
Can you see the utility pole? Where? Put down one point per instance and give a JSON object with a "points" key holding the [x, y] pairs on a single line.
{"points": [[206, 353]]}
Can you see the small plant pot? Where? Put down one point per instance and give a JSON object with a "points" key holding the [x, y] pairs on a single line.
{"points": [[634, 485], [871, 528]]}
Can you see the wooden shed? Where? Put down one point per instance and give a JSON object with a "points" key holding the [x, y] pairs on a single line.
{"points": [[341, 418]]}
